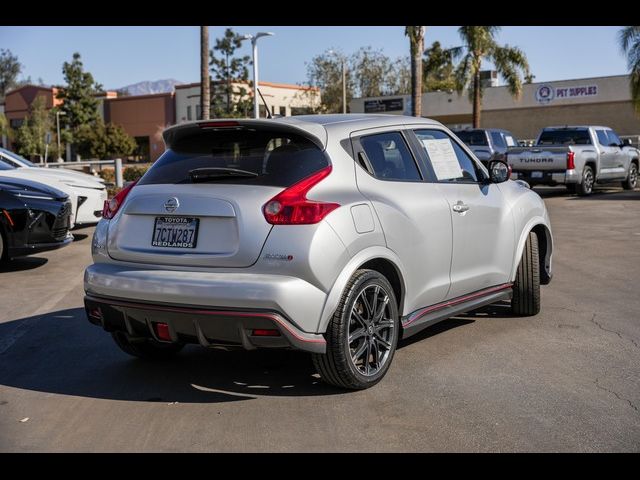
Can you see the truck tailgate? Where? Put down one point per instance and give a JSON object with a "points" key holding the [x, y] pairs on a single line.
{"points": [[538, 158]]}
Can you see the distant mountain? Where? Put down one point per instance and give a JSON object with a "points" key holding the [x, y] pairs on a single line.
{"points": [[147, 87]]}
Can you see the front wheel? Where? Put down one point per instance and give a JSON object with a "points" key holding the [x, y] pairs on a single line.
{"points": [[362, 334], [632, 178], [526, 288]]}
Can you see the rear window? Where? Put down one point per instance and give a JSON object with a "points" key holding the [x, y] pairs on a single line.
{"points": [[274, 159], [471, 137], [565, 137]]}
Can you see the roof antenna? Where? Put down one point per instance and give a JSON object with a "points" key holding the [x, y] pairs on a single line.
{"points": [[266, 107]]}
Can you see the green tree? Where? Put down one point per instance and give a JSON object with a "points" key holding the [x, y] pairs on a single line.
{"points": [[325, 72], [103, 141], [10, 68], [79, 104], [438, 68], [30, 137], [416, 47], [480, 44], [629, 39], [373, 72], [228, 99], [5, 129]]}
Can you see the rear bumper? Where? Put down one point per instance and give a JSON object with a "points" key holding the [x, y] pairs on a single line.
{"points": [[292, 300], [562, 177], [205, 326]]}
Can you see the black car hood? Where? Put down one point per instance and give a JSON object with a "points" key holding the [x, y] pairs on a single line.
{"points": [[23, 185]]}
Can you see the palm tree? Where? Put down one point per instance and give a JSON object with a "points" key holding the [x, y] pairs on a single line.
{"points": [[479, 44], [416, 42], [629, 38], [205, 85]]}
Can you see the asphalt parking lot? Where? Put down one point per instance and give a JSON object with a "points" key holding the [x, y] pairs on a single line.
{"points": [[565, 380]]}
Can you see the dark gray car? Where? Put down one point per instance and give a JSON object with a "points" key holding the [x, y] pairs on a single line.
{"points": [[487, 143]]}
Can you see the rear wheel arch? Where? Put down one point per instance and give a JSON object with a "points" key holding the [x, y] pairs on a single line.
{"points": [[392, 274], [377, 258]]}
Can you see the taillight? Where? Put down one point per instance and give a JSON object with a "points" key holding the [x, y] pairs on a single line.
{"points": [[112, 206], [291, 207], [570, 161]]}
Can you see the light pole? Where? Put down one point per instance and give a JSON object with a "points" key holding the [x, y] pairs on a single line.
{"points": [[254, 45], [344, 81], [58, 113]]}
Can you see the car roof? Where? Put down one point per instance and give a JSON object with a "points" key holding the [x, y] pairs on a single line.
{"points": [[575, 127], [318, 126]]}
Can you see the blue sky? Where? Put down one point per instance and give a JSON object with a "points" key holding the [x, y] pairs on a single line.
{"points": [[119, 56]]}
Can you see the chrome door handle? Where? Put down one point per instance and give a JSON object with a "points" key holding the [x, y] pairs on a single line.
{"points": [[460, 207]]}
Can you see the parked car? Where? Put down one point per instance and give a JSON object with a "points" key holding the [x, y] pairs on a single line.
{"points": [[18, 161], [332, 234], [578, 157], [87, 196], [487, 144], [33, 218]]}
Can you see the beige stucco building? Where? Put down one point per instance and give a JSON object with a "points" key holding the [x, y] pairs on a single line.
{"points": [[597, 100], [282, 98]]}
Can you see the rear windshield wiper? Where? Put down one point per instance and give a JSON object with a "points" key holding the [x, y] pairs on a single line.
{"points": [[213, 173]]}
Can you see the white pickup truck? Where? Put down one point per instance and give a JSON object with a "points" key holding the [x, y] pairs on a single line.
{"points": [[577, 157]]}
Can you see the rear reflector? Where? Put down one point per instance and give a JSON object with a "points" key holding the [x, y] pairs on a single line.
{"points": [[162, 331], [95, 313], [261, 332]]}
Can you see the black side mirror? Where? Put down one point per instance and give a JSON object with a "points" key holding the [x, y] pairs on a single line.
{"points": [[626, 142], [499, 171]]}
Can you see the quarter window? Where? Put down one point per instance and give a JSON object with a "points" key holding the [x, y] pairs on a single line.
{"points": [[449, 161], [389, 157]]}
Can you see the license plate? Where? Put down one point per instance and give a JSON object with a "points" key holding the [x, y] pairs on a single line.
{"points": [[175, 232], [536, 174]]}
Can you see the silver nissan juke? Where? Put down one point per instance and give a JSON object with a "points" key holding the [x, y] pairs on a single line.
{"points": [[333, 234]]}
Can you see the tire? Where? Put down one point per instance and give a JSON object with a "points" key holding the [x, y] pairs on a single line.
{"points": [[588, 179], [1, 246], [526, 289], [337, 366], [148, 349], [632, 178]]}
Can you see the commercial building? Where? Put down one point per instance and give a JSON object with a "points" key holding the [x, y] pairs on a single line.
{"points": [[597, 100], [144, 117], [282, 99]]}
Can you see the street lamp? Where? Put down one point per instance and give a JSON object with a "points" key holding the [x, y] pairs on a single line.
{"points": [[58, 113], [344, 80], [254, 44]]}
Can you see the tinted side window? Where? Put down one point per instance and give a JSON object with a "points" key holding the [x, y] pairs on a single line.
{"points": [[602, 138], [389, 156], [498, 140], [437, 145]]}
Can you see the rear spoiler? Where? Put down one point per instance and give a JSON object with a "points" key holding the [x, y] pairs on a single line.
{"points": [[312, 131]]}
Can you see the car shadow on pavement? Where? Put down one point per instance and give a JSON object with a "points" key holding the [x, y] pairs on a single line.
{"points": [[22, 263], [609, 194], [61, 352]]}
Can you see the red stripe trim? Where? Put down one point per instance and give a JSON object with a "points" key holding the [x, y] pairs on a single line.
{"points": [[449, 303], [228, 313]]}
